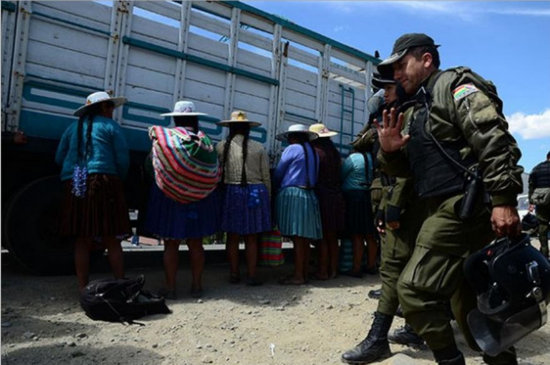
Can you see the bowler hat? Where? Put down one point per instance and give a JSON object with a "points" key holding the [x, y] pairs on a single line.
{"points": [[406, 42]]}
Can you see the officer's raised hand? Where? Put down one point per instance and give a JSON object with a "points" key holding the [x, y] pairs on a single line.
{"points": [[389, 134]]}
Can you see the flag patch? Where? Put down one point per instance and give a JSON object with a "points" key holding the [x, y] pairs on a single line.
{"points": [[464, 90]]}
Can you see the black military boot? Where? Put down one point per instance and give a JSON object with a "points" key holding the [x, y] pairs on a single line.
{"points": [[506, 357], [375, 346], [375, 294], [449, 356], [406, 336]]}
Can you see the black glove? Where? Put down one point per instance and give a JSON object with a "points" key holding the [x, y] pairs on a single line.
{"points": [[393, 213]]}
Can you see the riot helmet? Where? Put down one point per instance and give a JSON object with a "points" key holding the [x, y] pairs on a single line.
{"points": [[512, 282]]}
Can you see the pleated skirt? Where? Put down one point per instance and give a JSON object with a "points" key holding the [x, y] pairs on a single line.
{"points": [[102, 212], [359, 216], [169, 219], [298, 213], [245, 209]]}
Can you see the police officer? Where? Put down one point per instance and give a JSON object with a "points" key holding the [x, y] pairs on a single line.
{"points": [[540, 179], [400, 210], [457, 146]]}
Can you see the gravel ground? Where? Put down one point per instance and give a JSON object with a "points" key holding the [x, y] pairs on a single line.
{"points": [[42, 323]]}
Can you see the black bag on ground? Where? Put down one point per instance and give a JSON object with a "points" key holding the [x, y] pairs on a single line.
{"points": [[120, 300]]}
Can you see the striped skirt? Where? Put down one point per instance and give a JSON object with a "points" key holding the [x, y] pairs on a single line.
{"points": [[168, 219], [298, 213], [102, 212], [245, 209]]}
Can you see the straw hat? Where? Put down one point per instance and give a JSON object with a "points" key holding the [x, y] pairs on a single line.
{"points": [[99, 97], [238, 117], [183, 108], [321, 130], [297, 128]]}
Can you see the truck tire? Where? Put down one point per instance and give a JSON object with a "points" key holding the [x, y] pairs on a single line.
{"points": [[31, 225]]}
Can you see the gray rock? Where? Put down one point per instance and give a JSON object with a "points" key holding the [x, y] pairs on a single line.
{"points": [[28, 335], [77, 354]]}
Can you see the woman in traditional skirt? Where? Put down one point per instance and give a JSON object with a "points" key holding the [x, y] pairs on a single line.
{"points": [[173, 222], [331, 201], [357, 176], [94, 159], [297, 207], [246, 208]]}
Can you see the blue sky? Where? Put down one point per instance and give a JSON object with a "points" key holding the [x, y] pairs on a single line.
{"points": [[507, 42]]}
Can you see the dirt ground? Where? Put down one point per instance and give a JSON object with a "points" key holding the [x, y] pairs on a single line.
{"points": [[42, 323]]}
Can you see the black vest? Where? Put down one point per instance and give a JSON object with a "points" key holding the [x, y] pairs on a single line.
{"points": [[435, 174], [541, 175]]}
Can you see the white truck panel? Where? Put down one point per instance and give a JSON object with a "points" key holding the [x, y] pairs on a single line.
{"points": [[279, 73], [91, 15], [65, 59]]}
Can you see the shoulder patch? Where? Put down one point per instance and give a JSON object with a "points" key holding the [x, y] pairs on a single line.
{"points": [[464, 90]]}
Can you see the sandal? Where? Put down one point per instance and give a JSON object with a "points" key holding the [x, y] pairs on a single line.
{"points": [[196, 293], [316, 276], [253, 282], [353, 274], [290, 280], [168, 294], [234, 278]]}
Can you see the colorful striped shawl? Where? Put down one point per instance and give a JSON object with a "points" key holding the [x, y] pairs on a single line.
{"points": [[185, 164]]}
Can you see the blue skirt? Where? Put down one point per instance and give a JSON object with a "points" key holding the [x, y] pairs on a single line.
{"points": [[169, 219], [246, 210], [298, 213]]}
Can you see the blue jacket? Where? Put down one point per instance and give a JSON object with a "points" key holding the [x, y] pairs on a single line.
{"points": [[109, 153]]}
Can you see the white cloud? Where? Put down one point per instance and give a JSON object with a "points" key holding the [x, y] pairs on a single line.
{"points": [[533, 126], [518, 11], [469, 11], [340, 28]]}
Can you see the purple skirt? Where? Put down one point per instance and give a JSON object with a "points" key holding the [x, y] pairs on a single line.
{"points": [[246, 210], [168, 219]]}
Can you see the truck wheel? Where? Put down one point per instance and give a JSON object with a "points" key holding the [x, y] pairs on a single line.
{"points": [[31, 225]]}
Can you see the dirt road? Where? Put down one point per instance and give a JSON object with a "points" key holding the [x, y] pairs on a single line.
{"points": [[42, 323]]}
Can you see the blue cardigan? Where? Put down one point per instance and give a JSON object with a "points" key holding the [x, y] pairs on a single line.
{"points": [[291, 170], [109, 153]]}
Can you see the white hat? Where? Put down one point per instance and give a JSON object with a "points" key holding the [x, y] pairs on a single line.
{"points": [[99, 97], [238, 117], [297, 128], [322, 130], [183, 108]]}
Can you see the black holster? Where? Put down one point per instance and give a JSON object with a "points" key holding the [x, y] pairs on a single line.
{"points": [[474, 186]]}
